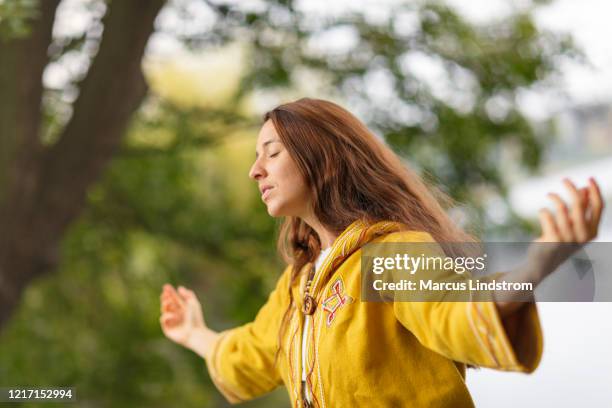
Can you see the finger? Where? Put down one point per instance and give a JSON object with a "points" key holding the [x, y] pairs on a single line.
{"points": [[164, 297], [562, 219], [173, 294], [172, 315], [166, 322], [169, 302], [169, 323], [170, 307], [166, 292], [171, 319], [584, 197], [577, 213], [166, 319], [549, 229], [596, 203], [187, 294]]}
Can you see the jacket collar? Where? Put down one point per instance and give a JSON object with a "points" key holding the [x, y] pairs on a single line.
{"points": [[350, 240]]}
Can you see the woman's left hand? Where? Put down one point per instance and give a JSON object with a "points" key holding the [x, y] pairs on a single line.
{"points": [[562, 235], [567, 231], [578, 224]]}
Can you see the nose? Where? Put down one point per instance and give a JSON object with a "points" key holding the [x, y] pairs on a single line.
{"points": [[257, 170]]}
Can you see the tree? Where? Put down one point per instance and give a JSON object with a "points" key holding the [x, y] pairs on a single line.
{"points": [[43, 187]]}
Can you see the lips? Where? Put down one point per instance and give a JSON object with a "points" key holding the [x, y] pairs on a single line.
{"points": [[265, 192]]}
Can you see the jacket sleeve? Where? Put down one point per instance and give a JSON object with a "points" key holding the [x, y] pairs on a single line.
{"points": [[241, 364], [473, 332]]}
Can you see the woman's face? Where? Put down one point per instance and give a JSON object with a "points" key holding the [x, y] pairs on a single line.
{"points": [[281, 185]]}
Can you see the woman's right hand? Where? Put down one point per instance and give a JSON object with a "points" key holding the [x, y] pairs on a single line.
{"points": [[181, 315]]}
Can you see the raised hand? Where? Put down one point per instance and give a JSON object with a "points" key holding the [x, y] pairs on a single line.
{"points": [[578, 224], [562, 235], [181, 314], [568, 230]]}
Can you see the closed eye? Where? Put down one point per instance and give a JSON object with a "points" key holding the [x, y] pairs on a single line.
{"points": [[274, 154]]}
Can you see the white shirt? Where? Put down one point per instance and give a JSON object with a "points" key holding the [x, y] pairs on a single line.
{"points": [[318, 263]]}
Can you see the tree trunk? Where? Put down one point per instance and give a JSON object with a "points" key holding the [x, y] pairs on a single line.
{"points": [[42, 190]]}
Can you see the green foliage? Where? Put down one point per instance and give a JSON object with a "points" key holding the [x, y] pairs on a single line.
{"points": [[452, 121], [155, 218], [16, 17]]}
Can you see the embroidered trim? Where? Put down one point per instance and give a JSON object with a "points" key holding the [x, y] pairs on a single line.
{"points": [[322, 268], [346, 243], [329, 256], [311, 362], [291, 355], [483, 327], [335, 301], [349, 242], [469, 310], [490, 335], [316, 349]]}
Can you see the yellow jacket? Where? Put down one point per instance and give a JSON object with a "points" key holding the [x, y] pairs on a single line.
{"points": [[370, 354]]}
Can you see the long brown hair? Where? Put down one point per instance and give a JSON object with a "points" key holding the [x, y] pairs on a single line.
{"points": [[351, 175]]}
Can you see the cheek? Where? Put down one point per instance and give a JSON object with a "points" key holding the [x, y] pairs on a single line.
{"points": [[292, 185], [294, 182]]}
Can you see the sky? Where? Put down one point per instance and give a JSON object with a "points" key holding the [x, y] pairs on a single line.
{"points": [[589, 23]]}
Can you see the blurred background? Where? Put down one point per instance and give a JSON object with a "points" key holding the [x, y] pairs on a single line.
{"points": [[127, 129]]}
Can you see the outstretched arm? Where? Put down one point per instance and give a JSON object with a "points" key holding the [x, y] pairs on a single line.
{"points": [[241, 361], [563, 234]]}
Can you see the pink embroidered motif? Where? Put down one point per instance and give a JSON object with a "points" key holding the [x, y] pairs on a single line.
{"points": [[336, 300]]}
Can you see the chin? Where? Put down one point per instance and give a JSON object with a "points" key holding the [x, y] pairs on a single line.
{"points": [[274, 211], [273, 214], [279, 210]]}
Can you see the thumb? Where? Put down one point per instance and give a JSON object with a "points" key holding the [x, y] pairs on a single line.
{"points": [[184, 293], [194, 305], [187, 294]]}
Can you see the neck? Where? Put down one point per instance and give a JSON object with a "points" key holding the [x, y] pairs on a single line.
{"points": [[326, 237]]}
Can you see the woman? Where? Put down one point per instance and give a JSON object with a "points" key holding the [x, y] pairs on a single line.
{"points": [[339, 187]]}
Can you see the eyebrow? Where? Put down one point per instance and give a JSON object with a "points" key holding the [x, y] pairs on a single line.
{"points": [[267, 143]]}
